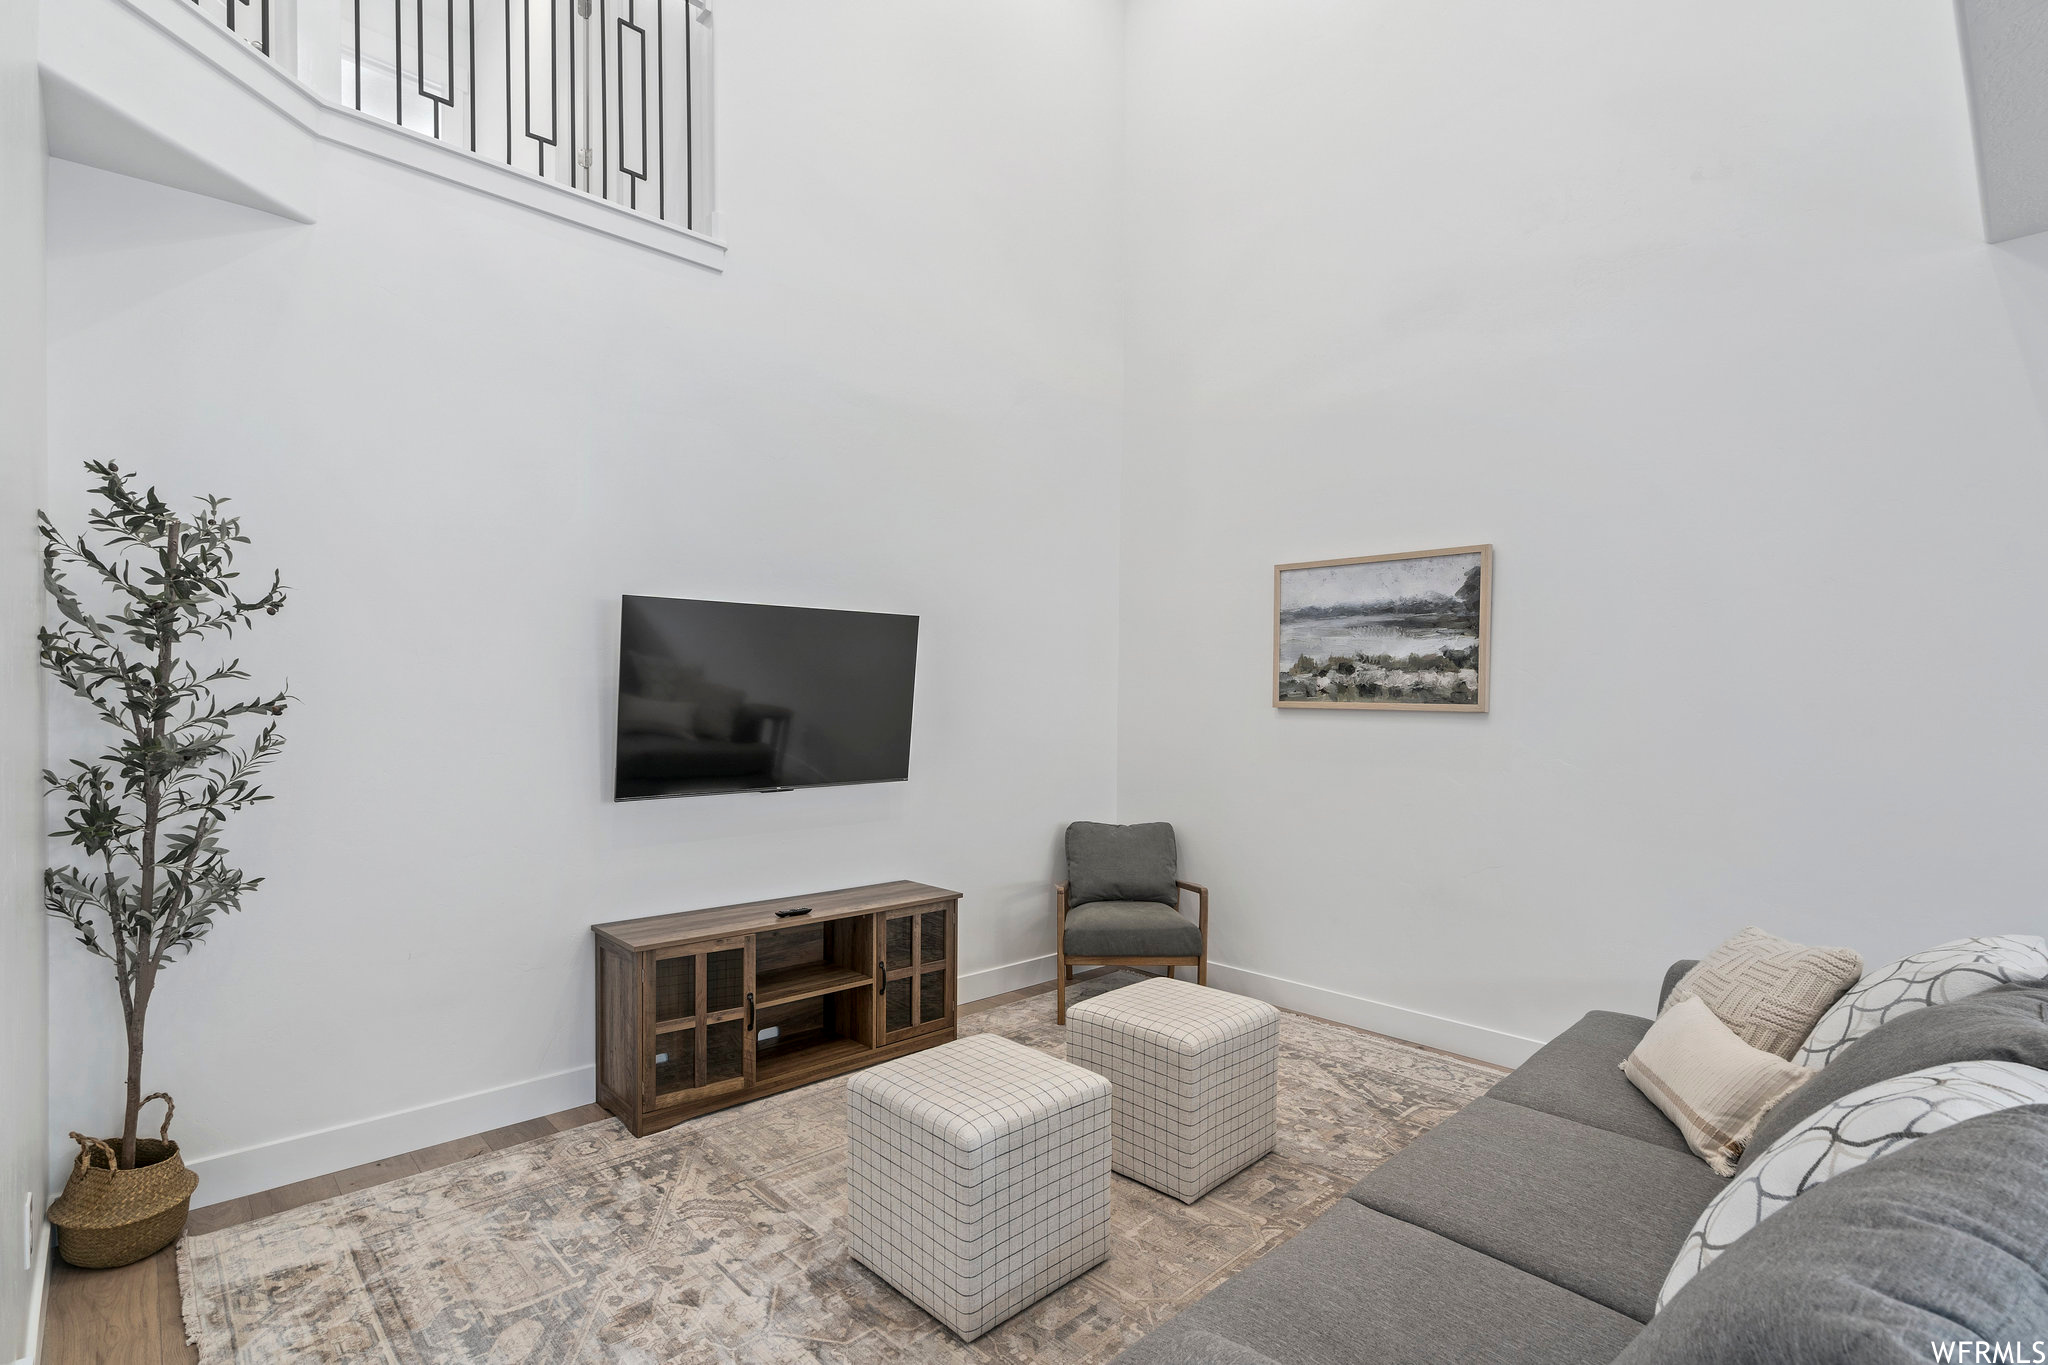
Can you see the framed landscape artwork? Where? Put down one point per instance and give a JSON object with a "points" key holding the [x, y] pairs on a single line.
{"points": [[1406, 632]]}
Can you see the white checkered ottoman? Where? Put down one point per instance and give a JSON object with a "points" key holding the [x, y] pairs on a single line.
{"points": [[1196, 1077], [977, 1177]]}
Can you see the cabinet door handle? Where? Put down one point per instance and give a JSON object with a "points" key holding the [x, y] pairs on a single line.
{"points": [[750, 1011]]}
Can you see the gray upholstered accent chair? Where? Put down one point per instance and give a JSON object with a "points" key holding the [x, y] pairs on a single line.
{"points": [[1120, 904]]}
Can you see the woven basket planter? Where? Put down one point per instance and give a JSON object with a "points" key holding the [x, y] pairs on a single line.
{"points": [[107, 1216]]}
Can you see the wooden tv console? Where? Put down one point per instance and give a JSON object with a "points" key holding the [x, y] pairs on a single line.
{"points": [[683, 1000]]}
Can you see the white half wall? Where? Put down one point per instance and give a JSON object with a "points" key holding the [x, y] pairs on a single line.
{"points": [[1686, 311], [463, 431], [24, 1017]]}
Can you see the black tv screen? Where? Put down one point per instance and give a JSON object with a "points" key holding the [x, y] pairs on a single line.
{"points": [[732, 696]]}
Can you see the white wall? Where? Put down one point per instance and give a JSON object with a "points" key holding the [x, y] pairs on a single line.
{"points": [[23, 1014], [1683, 308], [463, 431]]}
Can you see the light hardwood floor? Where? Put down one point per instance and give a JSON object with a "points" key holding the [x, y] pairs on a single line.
{"points": [[132, 1316]]}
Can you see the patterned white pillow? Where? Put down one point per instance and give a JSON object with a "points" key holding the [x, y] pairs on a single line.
{"points": [[1934, 977], [1857, 1128]]}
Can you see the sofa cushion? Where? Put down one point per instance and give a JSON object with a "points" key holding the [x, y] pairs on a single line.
{"points": [[1358, 1285], [1770, 990], [1131, 929], [1938, 976], [2005, 1024], [1591, 1211], [1577, 1075], [1121, 863], [1674, 974], [1867, 1126], [1942, 1242]]}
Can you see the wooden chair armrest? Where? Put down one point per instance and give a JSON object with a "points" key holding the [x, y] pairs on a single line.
{"points": [[1202, 900]]}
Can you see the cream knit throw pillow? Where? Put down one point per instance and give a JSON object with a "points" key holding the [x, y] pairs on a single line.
{"points": [[1770, 991], [1709, 1082]]}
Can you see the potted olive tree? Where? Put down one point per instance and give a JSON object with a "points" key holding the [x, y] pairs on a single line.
{"points": [[149, 875]]}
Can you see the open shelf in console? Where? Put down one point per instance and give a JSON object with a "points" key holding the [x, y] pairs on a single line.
{"points": [[799, 983], [805, 960], [815, 1031]]}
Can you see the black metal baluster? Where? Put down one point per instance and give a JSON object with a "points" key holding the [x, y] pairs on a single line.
{"points": [[623, 62], [420, 26], [575, 104], [689, 118], [633, 177], [660, 151], [552, 139]]}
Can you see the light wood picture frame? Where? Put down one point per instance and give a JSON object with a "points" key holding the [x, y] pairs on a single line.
{"points": [[1399, 632]]}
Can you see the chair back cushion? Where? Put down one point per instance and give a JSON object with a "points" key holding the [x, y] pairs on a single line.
{"points": [[1121, 863]]}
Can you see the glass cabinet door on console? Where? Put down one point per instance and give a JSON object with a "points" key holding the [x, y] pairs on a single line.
{"points": [[912, 976], [700, 999]]}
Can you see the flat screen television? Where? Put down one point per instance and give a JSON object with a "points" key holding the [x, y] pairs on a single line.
{"points": [[737, 697]]}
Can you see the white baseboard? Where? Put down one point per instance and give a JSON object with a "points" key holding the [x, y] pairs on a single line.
{"points": [[1452, 1035], [264, 1166], [38, 1301], [1415, 1026], [267, 1165], [1011, 976]]}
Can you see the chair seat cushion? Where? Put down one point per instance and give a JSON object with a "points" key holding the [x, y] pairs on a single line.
{"points": [[1589, 1211], [1359, 1286], [1131, 929], [1577, 1075]]}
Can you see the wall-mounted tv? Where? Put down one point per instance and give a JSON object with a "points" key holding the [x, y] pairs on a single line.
{"points": [[738, 697]]}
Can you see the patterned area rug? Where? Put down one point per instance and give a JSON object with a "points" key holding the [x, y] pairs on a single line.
{"points": [[720, 1239]]}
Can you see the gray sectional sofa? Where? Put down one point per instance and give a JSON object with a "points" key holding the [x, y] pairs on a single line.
{"points": [[1538, 1224]]}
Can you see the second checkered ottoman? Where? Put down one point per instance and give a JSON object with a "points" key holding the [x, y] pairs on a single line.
{"points": [[1195, 1075], [977, 1177]]}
